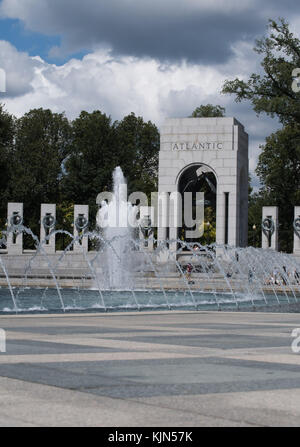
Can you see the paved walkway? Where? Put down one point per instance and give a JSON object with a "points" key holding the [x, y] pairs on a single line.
{"points": [[150, 369]]}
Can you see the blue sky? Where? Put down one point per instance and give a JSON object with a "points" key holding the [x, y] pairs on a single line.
{"points": [[14, 31], [34, 43], [156, 59]]}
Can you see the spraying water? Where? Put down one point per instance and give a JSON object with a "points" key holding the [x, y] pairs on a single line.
{"points": [[118, 221], [124, 274]]}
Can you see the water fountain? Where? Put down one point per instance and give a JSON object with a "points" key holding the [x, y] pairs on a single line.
{"points": [[117, 219], [124, 274]]}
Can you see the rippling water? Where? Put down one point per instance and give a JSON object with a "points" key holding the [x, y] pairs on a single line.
{"points": [[34, 300]]}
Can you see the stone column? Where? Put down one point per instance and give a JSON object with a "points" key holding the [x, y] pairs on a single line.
{"points": [[220, 216], [297, 231], [270, 220], [227, 216], [81, 221], [48, 221], [14, 218]]}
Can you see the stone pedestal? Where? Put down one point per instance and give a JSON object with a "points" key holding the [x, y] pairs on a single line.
{"points": [[270, 242], [81, 220], [297, 232], [48, 221], [14, 239]]}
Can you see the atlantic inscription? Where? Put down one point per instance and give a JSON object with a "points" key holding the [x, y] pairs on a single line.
{"points": [[197, 146]]}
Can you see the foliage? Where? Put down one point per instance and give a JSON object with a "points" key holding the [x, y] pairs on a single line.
{"points": [[271, 92], [138, 147], [64, 221], [279, 170], [99, 146], [208, 111], [42, 142], [93, 156], [7, 129], [209, 234], [44, 158]]}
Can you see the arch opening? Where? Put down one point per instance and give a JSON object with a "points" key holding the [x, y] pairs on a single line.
{"points": [[199, 178]]}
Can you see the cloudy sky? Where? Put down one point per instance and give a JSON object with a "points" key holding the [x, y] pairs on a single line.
{"points": [[157, 58]]}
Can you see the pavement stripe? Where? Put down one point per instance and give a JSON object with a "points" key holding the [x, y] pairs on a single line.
{"points": [[89, 357]]}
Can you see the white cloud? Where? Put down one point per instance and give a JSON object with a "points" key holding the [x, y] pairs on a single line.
{"points": [[116, 86], [195, 30], [127, 84], [168, 30], [19, 68], [215, 32]]}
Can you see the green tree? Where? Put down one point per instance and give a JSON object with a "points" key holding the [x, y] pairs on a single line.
{"points": [[209, 227], [88, 169], [256, 202], [208, 111], [99, 146], [7, 129], [271, 92], [42, 143], [138, 147], [279, 170], [64, 221]]}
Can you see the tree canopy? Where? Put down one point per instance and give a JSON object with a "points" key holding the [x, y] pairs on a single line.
{"points": [[45, 158], [208, 111], [99, 146], [7, 132], [137, 148], [42, 142], [89, 165], [273, 92]]}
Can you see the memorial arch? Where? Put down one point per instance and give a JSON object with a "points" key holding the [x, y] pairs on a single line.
{"points": [[209, 154]]}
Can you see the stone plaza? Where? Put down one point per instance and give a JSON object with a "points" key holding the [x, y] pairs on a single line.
{"points": [[154, 369]]}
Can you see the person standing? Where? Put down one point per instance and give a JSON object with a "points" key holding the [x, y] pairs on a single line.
{"points": [[189, 269]]}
